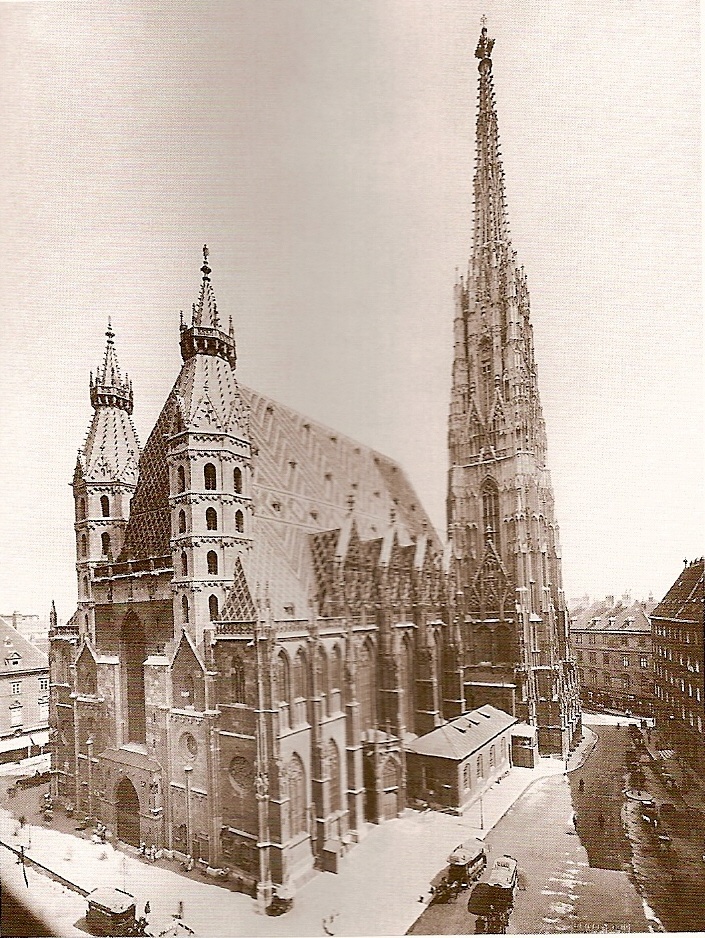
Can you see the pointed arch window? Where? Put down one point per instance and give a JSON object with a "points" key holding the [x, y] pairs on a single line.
{"points": [[211, 519], [184, 564], [209, 476], [188, 691], [105, 543], [366, 687], [300, 675], [282, 672], [490, 510], [182, 522], [237, 480], [213, 607], [297, 795], [239, 522], [85, 586], [336, 671], [105, 506], [322, 678], [335, 776], [184, 609], [237, 680], [81, 509], [180, 479], [84, 546], [212, 561]]}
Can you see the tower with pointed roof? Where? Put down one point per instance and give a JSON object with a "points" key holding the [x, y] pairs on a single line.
{"points": [[506, 559], [105, 476]]}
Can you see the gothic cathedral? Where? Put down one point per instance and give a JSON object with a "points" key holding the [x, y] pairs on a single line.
{"points": [[266, 616]]}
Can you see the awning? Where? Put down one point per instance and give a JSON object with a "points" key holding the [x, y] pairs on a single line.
{"points": [[40, 738]]}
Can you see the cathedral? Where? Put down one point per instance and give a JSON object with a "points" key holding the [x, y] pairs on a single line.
{"points": [[266, 617]]}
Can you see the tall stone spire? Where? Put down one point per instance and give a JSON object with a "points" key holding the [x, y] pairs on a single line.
{"points": [[205, 336], [501, 526]]}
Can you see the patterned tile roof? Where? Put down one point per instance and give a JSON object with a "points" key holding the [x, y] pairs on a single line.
{"points": [[111, 450], [684, 600], [305, 478]]}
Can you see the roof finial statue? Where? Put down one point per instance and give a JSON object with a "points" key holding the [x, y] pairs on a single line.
{"points": [[484, 45]]}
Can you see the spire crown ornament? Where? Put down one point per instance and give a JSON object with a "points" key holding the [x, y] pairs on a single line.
{"points": [[204, 336], [109, 388]]}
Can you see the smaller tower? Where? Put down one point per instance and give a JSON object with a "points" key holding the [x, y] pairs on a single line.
{"points": [[105, 477], [210, 471]]}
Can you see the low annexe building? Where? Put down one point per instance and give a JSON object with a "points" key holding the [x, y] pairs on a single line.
{"points": [[454, 764]]}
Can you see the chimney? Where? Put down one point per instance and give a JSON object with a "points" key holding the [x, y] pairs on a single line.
{"points": [[610, 601]]}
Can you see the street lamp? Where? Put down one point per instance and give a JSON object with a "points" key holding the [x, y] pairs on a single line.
{"points": [[188, 769]]}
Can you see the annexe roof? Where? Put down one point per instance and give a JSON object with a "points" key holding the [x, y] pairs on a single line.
{"points": [[684, 601], [464, 735]]}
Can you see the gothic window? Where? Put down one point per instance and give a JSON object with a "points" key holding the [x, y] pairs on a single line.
{"points": [[132, 656], [105, 506], [282, 671], [335, 776], [336, 671], [406, 681], [188, 691], [184, 608], [180, 479], [209, 476], [300, 675], [492, 757], [86, 677], [84, 545], [366, 687], [105, 543], [237, 680], [297, 795], [211, 519], [182, 522], [81, 509], [184, 564], [504, 749], [213, 607], [237, 480], [490, 510], [390, 774], [480, 768], [322, 677], [212, 561], [239, 522]]}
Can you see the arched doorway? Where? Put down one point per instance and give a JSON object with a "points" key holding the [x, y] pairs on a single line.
{"points": [[128, 813], [389, 807]]}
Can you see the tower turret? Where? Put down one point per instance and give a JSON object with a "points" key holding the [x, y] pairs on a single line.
{"points": [[210, 467], [105, 476]]}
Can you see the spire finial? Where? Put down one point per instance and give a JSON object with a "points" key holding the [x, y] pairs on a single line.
{"points": [[484, 45], [205, 270], [109, 333]]}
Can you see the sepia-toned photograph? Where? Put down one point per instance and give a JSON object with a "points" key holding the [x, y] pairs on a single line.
{"points": [[352, 495]]}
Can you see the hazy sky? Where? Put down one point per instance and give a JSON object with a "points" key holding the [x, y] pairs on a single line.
{"points": [[324, 150]]}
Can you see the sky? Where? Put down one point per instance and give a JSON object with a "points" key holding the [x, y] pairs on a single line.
{"points": [[324, 150]]}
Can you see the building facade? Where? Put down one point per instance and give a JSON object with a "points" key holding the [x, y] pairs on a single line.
{"points": [[679, 655], [24, 695], [504, 538], [614, 653], [266, 617]]}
